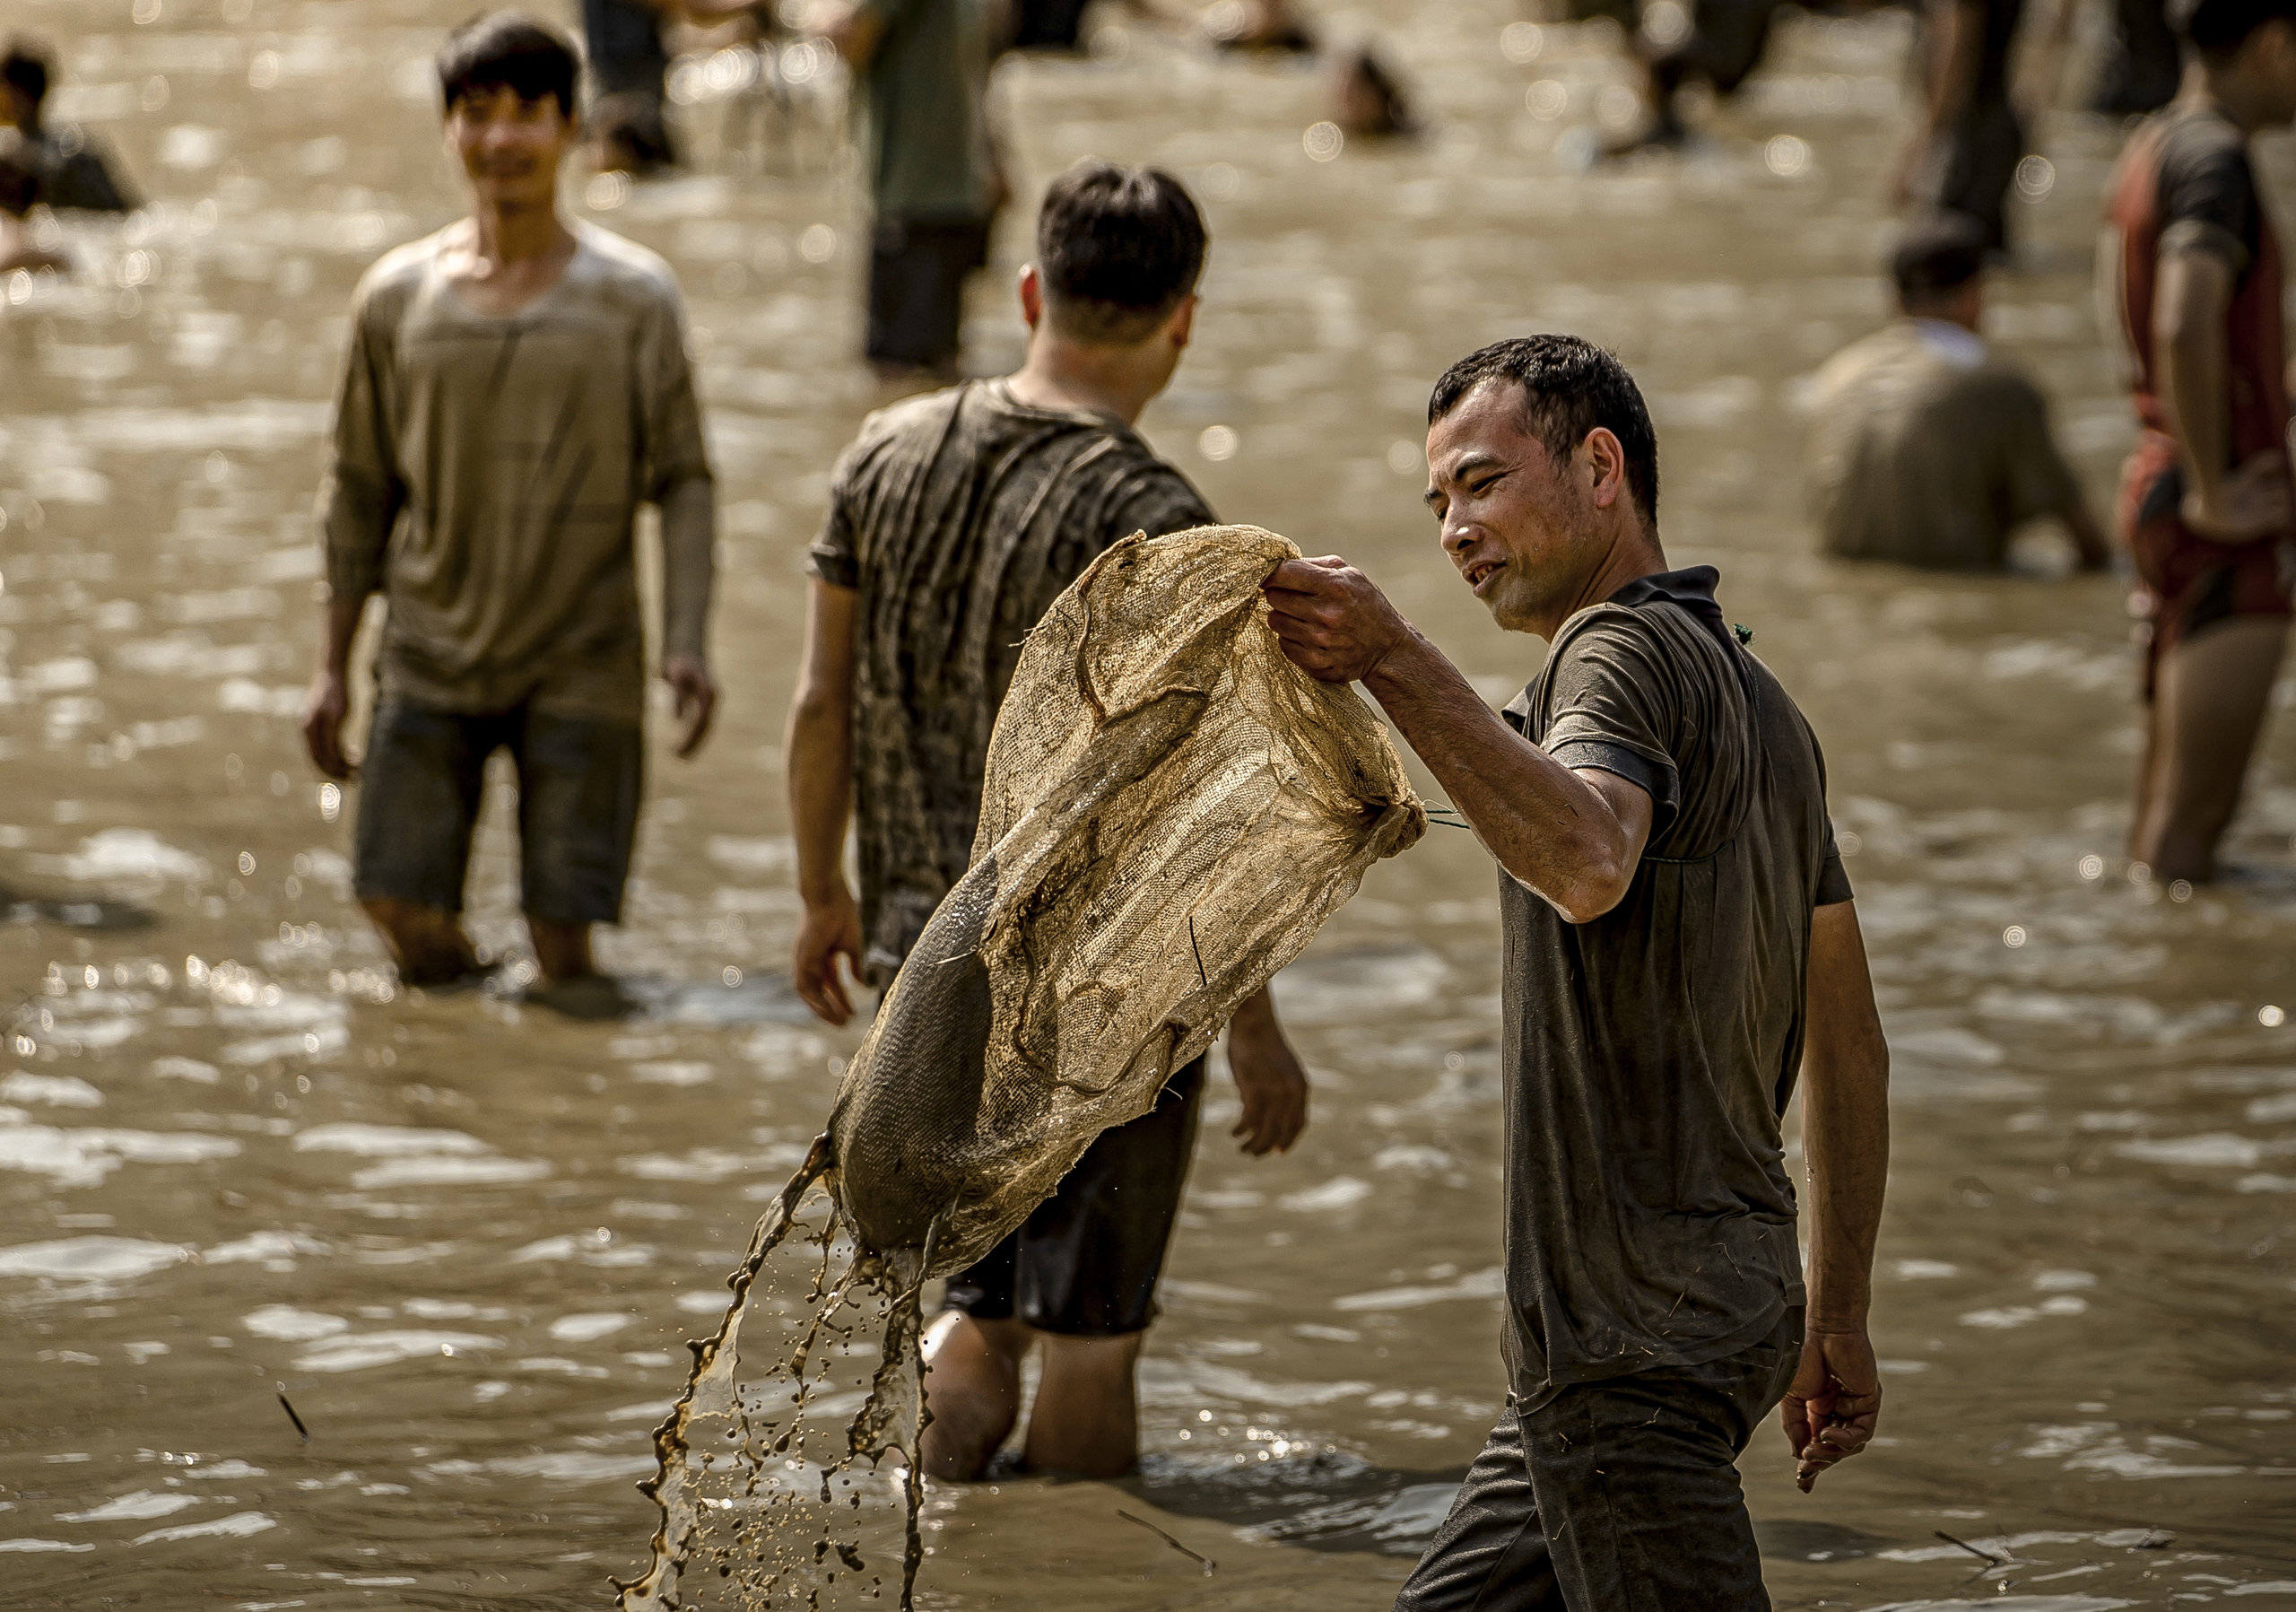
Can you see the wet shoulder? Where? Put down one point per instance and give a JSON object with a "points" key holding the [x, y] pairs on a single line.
{"points": [[392, 281], [620, 265]]}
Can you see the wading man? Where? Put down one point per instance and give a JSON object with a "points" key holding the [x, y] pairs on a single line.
{"points": [[2205, 496], [1679, 946], [515, 390], [955, 520]]}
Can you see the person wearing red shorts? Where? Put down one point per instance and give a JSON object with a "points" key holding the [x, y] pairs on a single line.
{"points": [[2205, 498]]}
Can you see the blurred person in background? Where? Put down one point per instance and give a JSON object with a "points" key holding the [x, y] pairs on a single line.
{"points": [[627, 44], [2194, 266], [1680, 950], [1964, 152], [1366, 97], [19, 195], [1928, 449], [1721, 46], [921, 72], [515, 388], [2142, 63], [73, 172], [955, 520]]}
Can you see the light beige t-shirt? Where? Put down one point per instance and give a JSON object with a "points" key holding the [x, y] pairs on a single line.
{"points": [[1929, 450], [487, 474]]}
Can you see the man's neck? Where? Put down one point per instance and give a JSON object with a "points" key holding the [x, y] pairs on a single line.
{"points": [[2228, 90], [1059, 374], [1633, 553], [513, 236]]}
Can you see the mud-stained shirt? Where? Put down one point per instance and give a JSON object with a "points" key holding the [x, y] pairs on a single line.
{"points": [[1929, 449], [1647, 1055], [958, 517], [487, 474]]}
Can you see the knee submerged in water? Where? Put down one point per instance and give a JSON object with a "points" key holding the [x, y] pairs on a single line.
{"points": [[1171, 811]]}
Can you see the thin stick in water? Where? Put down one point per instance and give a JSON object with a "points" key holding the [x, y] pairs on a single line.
{"points": [[292, 1415], [1208, 1563]]}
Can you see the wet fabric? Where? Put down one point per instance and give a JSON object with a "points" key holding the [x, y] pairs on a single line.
{"points": [[624, 50], [1171, 811], [2187, 583], [487, 474], [73, 172], [578, 787], [2185, 180], [1647, 1055], [958, 518], [924, 134], [1085, 1262], [1726, 41], [2142, 65], [1927, 449], [1972, 162], [1619, 1496], [916, 289]]}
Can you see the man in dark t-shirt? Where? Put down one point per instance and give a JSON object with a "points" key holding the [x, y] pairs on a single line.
{"points": [[954, 522], [1964, 155], [2193, 265], [1680, 950]]}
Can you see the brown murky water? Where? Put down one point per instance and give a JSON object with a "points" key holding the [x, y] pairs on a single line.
{"points": [[468, 1236]]}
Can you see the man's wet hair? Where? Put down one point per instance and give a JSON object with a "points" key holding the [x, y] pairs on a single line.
{"points": [[1936, 257], [25, 70], [2219, 27], [509, 50], [1569, 388], [1118, 248]]}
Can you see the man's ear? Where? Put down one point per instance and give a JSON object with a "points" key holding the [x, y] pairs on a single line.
{"points": [[1606, 457], [1031, 289], [1181, 326]]}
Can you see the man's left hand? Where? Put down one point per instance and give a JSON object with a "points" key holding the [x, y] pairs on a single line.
{"points": [[1333, 621], [1272, 1083], [689, 678], [1830, 1411]]}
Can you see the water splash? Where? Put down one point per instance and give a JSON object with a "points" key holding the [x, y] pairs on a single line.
{"points": [[776, 1537]]}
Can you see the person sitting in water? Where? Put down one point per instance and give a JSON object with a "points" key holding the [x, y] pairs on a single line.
{"points": [[73, 174], [514, 388], [1365, 97], [1680, 950], [955, 520], [1258, 25], [19, 193], [1928, 449]]}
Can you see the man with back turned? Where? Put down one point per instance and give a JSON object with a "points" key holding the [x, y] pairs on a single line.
{"points": [[955, 520], [1680, 944]]}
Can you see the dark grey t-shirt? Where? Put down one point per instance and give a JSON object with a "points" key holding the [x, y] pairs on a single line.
{"points": [[958, 517], [1648, 1055]]}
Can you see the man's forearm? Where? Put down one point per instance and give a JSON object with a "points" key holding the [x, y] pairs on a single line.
{"points": [[2190, 354], [689, 567], [817, 754], [1547, 826], [338, 628], [1844, 1122], [1959, 48]]}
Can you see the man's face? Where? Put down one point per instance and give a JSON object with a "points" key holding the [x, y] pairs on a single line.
{"points": [[509, 148], [1515, 521]]}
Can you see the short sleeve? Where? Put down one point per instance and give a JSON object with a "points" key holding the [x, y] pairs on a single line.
{"points": [[1616, 710], [1160, 502], [1834, 878], [2208, 200], [834, 556]]}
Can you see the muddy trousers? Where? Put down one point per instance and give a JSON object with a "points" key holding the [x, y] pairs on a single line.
{"points": [[1616, 1496]]}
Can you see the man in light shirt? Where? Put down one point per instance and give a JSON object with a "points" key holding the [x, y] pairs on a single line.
{"points": [[1928, 449]]}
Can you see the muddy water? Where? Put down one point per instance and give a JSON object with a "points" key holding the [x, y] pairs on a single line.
{"points": [[466, 1237]]}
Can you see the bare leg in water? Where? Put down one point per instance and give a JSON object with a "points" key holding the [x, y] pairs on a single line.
{"points": [[1085, 1421], [428, 945], [2208, 707]]}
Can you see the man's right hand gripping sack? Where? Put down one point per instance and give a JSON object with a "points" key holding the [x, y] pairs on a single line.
{"points": [[1171, 811]]}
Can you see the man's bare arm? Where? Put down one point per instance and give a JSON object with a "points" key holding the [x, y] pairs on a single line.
{"points": [[2190, 299], [1831, 1412], [328, 700], [689, 573], [1573, 838], [817, 758]]}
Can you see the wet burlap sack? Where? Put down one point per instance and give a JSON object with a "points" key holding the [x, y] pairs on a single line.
{"points": [[1171, 811]]}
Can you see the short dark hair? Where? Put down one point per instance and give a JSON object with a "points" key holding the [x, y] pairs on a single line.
{"points": [[1117, 249], [1940, 254], [1569, 386], [2219, 27], [25, 70], [509, 50]]}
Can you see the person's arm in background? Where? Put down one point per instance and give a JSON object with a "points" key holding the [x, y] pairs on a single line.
{"points": [[817, 758], [855, 31], [1956, 50], [2191, 297], [1830, 1411], [2088, 537], [359, 503], [689, 509]]}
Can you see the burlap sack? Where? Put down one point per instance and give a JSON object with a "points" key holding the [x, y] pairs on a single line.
{"points": [[1171, 811]]}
